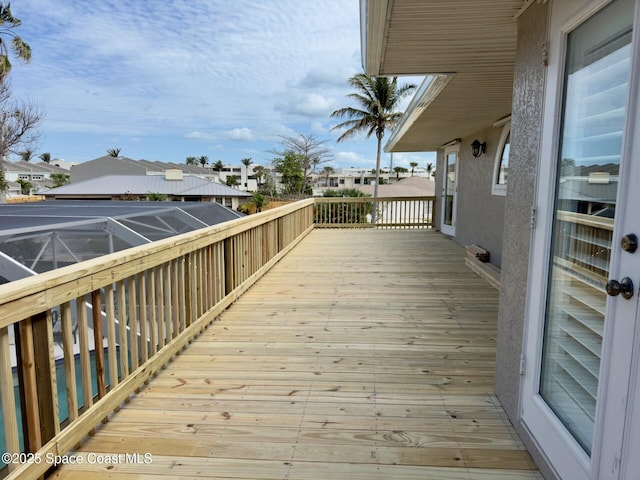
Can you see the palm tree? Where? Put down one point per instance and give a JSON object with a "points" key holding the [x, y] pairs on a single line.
{"points": [[191, 161], [113, 152], [59, 179], [232, 181], [259, 172], [26, 155], [203, 160], [378, 98], [246, 162], [19, 47], [398, 171], [25, 186], [259, 200], [413, 167], [327, 171], [429, 169], [45, 157], [218, 166]]}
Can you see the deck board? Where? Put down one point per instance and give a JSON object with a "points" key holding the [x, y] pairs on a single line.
{"points": [[363, 354]]}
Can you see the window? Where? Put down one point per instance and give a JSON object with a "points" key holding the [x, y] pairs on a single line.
{"points": [[37, 177], [23, 176], [501, 167], [228, 202]]}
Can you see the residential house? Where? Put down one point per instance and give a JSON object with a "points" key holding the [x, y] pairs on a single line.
{"points": [[37, 174], [532, 108], [173, 184]]}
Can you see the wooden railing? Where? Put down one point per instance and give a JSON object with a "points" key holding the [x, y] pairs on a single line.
{"points": [[142, 305], [103, 327], [357, 212]]}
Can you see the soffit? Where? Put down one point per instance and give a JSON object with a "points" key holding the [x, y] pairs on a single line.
{"points": [[473, 40]]}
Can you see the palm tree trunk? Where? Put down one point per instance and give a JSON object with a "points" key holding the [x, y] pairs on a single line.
{"points": [[375, 187]]}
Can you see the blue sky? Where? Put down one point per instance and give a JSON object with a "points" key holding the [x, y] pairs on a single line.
{"points": [[163, 80]]}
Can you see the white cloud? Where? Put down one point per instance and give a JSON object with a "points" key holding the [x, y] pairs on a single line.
{"points": [[201, 136], [311, 105], [319, 128], [240, 135], [229, 74], [353, 159]]}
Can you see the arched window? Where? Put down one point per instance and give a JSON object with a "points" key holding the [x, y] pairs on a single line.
{"points": [[501, 167]]}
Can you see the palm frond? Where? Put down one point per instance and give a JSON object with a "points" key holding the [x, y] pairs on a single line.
{"points": [[21, 49]]}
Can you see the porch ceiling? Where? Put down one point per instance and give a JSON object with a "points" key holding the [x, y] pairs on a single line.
{"points": [[473, 41]]}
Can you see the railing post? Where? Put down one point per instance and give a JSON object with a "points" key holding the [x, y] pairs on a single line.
{"points": [[46, 380], [7, 398], [228, 266], [98, 342], [37, 381]]}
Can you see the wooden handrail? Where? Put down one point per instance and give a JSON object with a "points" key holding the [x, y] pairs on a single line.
{"points": [[588, 220], [143, 305]]}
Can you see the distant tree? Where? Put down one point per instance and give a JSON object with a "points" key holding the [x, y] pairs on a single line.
{"points": [[191, 161], [25, 187], [259, 200], [338, 212], [233, 181], [59, 179], [377, 99], [218, 165], [310, 151], [203, 160], [157, 197], [18, 46], [413, 167], [45, 157], [259, 172], [429, 168], [19, 123], [399, 170], [246, 162], [113, 152], [26, 155], [4, 185], [267, 186], [291, 169], [327, 171], [567, 167]]}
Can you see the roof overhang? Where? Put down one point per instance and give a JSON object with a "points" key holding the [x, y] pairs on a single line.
{"points": [[467, 46]]}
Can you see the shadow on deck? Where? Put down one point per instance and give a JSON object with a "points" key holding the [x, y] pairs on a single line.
{"points": [[362, 354]]}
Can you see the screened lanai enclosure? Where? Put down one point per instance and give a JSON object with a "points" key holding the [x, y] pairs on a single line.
{"points": [[39, 237], [35, 238]]}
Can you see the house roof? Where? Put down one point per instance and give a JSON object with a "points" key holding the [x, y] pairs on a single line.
{"points": [[466, 47], [29, 167], [143, 184], [153, 166]]}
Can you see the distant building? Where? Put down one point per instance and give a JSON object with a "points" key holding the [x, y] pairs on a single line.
{"points": [[37, 174], [173, 183], [360, 177]]}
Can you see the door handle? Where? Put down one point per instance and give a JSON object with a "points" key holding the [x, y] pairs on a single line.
{"points": [[623, 287], [629, 242]]}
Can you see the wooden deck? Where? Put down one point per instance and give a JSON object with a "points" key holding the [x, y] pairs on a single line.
{"points": [[362, 355]]}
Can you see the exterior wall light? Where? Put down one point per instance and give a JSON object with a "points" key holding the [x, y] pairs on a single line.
{"points": [[478, 148]]}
